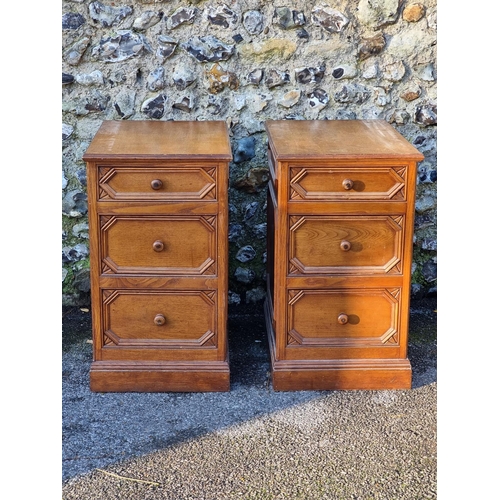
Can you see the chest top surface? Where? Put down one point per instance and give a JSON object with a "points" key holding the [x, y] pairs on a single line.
{"points": [[343, 139], [151, 139]]}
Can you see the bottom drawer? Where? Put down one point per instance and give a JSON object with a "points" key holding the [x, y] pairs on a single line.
{"points": [[344, 318], [159, 319]]}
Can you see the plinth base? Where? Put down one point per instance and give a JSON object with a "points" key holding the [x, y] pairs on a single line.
{"points": [[166, 376]]}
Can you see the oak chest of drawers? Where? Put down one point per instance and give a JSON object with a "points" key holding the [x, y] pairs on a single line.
{"points": [[158, 216], [340, 227]]}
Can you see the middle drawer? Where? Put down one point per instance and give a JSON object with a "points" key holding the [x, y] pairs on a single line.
{"points": [[329, 244], [166, 245]]}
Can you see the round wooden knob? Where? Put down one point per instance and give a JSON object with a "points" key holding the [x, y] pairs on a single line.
{"points": [[159, 320], [345, 245], [348, 184], [158, 246], [156, 184], [343, 318]]}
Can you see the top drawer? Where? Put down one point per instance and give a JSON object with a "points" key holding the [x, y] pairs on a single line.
{"points": [[159, 183], [311, 183]]}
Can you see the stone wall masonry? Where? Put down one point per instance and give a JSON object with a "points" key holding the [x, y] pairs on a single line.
{"points": [[245, 62]]}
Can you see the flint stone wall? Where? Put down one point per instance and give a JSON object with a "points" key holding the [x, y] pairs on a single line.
{"points": [[245, 62]]}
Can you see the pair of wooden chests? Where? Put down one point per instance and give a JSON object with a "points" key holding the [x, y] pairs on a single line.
{"points": [[340, 211]]}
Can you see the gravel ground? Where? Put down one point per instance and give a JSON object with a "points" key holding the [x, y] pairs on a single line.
{"points": [[251, 442]]}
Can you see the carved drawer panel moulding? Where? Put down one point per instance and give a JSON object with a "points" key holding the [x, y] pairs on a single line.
{"points": [[166, 244], [158, 227], [346, 244], [176, 183], [344, 317], [347, 184], [129, 316], [339, 245]]}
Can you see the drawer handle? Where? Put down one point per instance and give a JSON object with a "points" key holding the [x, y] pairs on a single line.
{"points": [[158, 246], [348, 184], [156, 184], [345, 245], [343, 318], [159, 320]]}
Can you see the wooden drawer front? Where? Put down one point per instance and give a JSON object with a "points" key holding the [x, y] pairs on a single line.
{"points": [[175, 183], [158, 245], [343, 318], [347, 184], [346, 245], [159, 318]]}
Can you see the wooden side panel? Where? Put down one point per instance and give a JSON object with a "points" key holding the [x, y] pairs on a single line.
{"points": [[222, 260], [281, 237], [94, 232], [271, 228]]}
